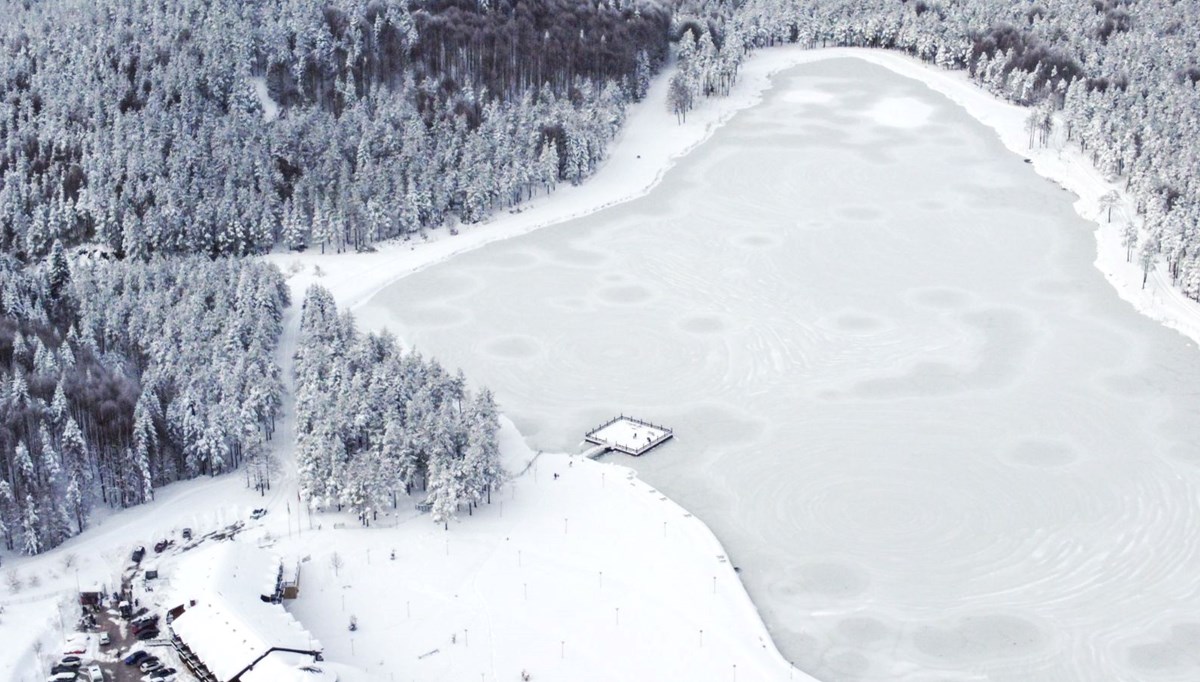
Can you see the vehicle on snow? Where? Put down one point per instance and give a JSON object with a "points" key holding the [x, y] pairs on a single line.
{"points": [[136, 657], [71, 662]]}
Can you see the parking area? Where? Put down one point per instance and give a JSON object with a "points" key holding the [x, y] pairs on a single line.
{"points": [[111, 620], [104, 637]]}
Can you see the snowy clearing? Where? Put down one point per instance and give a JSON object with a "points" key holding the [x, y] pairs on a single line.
{"points": [[590, 575], [269, 106]]}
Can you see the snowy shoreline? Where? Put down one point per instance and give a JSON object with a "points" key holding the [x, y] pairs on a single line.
{"points": [[650, 144]]}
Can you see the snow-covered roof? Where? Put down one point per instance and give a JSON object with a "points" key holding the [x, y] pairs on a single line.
{"points": [[230, 625]]}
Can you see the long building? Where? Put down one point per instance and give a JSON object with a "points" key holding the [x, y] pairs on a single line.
{"points": [[228, 615]]}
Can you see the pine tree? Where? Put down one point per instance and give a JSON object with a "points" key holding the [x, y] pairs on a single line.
{"points": [[30, 528], [73, 501], [483, 449], [60, 271]]}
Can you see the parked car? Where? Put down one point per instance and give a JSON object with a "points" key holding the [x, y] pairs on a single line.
{"points": [[187, 533], [71, 662], [258, 513], [60, 668], [144, 619], [138, 553], [105, 639], [150, 633], [93, 674], [150, 664], [162, 545], [162, 673], [62, 677], [136, 657]]}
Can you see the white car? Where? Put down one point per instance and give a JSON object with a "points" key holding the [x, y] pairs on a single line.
{"points": [[105, 640], [93, 673]]}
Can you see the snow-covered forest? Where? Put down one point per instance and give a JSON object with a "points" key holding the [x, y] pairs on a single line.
{"points": [[374, 423], [1122, 79], [222, 128], [122, 376]]}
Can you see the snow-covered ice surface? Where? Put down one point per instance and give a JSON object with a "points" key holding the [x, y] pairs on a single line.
{"points": [[905, 400]]}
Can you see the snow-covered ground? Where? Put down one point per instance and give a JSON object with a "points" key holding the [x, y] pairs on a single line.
{"points": [[650, 144], [590, 575]]}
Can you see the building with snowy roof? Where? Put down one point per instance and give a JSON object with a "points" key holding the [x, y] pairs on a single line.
{"points": [[229, 617]]}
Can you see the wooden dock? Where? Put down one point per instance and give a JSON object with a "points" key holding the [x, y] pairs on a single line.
{"points": [[629, 435]]}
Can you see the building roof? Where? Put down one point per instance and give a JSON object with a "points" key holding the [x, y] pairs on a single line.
{"points": [[230, 625]]}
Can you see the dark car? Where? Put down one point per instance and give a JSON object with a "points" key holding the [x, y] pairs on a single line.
{"points": [[71, 662], [161, 673], [258, 513], [138, 553], [160, 546], [60, 668], [145, 623], [187, 533], [149, 633], [136, 657]]}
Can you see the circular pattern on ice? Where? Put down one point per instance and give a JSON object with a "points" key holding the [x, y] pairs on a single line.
{"points": [[703, 324], [513, 346], [625, 294], [985, 636]]}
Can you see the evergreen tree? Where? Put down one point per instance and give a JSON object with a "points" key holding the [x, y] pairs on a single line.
{"points": [[31, 532]]}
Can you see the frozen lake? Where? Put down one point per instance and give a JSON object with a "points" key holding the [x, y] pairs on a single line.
{"points": [[933, 438]]}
